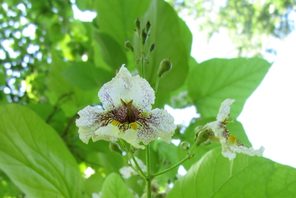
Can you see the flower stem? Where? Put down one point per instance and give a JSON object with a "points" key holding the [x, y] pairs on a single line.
{"points": [[188, 156], [172, 167], [130, 154], [148, 178], [141, 173]]}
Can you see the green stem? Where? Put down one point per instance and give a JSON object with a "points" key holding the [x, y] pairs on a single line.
{"points": [[189, 155], [141, 173], [148, 178], [131, 155], [156, 85], [172, 167]]}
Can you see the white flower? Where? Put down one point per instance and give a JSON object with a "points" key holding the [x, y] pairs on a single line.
{"points": [[96, 195], [125, 113], [128, 171], [229, 143]]}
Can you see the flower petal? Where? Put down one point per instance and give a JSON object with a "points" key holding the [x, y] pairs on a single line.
{"points": [[85, 134], [87, 122], [224, 110], [127, 171], [126, 87], [88, 116], [247, 151], [217, 128], [131, 137], [160, 124], [108, 133], [230, 150]]}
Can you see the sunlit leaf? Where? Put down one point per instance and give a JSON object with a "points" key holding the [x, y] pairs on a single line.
{"points": [[114, 187], [216, 176], [34, 157], [85, 75], [108, 51], [213, 81], [172, 39]]}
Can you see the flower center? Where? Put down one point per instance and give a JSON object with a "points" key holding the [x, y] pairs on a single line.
{"points": [[125, 117]]}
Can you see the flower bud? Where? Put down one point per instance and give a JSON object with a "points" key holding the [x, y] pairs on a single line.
{"points": [[148, 25], [144, 36], [138, 24], [128, 45], [202, 134], [114, 147], [185, 145], [164, 67], [152, 47]]}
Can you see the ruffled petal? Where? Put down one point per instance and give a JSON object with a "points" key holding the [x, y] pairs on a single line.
{"points": [[230, 151], [224, 110], [109, 133], [126, 87], [85, 134], [216, 127], [87, 122], [88, 116], [160, 124], [130, 136]]}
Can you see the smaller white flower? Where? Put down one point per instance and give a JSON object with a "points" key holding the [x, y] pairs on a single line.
{"points": [[229, 143], [96, 195], [128, 171]]}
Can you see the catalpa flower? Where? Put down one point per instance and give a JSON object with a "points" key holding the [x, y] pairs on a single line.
{"points": [[125, 113], [230, 144]]}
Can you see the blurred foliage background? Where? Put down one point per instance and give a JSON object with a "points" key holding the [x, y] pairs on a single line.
{"points": [[249, 23], [54, 63], [33, 33]]}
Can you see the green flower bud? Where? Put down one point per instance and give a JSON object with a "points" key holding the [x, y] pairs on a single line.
{"points": [[164, 67], [138, 24], [185, 145], [114, 147], [144, 36], [128, 45], [202, 134], [148, 25], [152, 47]]}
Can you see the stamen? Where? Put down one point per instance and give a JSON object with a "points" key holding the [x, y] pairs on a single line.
{"points": [[133, 125], [115, 123], [232, 139]]}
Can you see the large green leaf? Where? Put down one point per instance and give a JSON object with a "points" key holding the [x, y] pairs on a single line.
{"points": [[216, 176], [215, 80], [85, 75], [108, 53], [34, 157], [67, 84], [114, 187], [173, 41], [117, 18], [114, 25]]}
